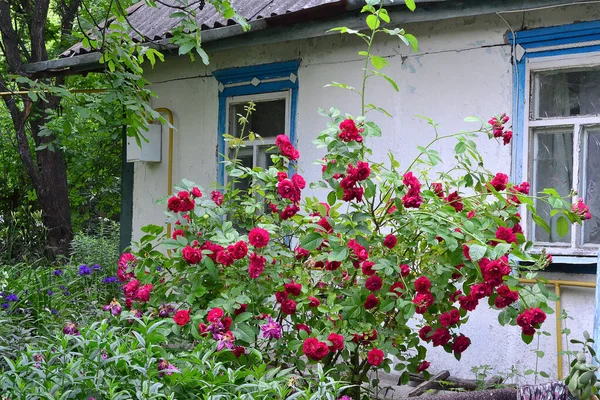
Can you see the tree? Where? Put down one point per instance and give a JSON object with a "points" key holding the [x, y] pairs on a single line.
{"points": [[33, 31]]}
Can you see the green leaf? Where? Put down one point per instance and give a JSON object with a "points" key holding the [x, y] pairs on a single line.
{"points": [[477, 252], [331, 198], [562, 226], [387, 78], [373, 22], [186, 47], [372, 129], [311, 241], [541, 222], [460, 147], [379, 62], [338, 254], [414, 43], [527, 340], [410, 4]]}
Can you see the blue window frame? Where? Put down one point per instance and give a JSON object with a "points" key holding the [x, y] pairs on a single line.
{"points": [[542, 57], [261, 79]]}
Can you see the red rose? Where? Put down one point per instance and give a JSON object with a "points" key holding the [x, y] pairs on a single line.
{"points": [[182, 317], [203, 329], [238, 351], [281, 296], [468, 303], [349, 131], [440, 337], [258, 237], [257, 265], [227, 321], [288, 306], [460, 344], [131, 288], [390, 241], [505, 234], [424, 333], [437, 188], [177, 232], [241, 309], [423, 366], [524, 319], [314, 349], [174, 204], [289, 212], [303, 327], [371, 302], [422, 284], [404, 270], [196, 192], [215, 315], [538, 316], [375, 357], [528, 330], [301, 253], [217, 197], [240, 250], [423, 301], [332, 265], [337, 342], [225, 258], [499, 182], [286, 148], [374, 283], [143, 293], [507, 137], [293, 289], [298, 181], [191, 255], [314, 302], [455, 201], [397, 288], [367, 268], [481, 290]]}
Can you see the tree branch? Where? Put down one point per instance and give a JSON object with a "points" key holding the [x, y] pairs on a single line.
{"points": [[37, 30], [10, 39]]}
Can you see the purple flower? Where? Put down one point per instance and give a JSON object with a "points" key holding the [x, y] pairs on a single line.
{"points": [[271, 330], [63, 287], [84, 270], [12, 297], [165, 310], [114, 307], [110, 279], [50, 293], [225, 340], [345, 398], [5, 305], [216, 328], [67, 293], [96, 267], [54, 311], [159, 269], [71, 329], [57, 272], [165, 367]]}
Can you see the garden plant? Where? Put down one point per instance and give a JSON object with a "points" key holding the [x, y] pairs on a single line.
{"points": [[394, 255]]}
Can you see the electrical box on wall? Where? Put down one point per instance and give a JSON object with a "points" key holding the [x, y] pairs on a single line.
{"points": [[151, 150]]}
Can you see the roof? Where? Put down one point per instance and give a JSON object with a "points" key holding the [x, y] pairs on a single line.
{"points": [[155, 23]]}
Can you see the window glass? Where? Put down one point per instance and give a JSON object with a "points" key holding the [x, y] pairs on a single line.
{"points": [[268, 120], [552, 168], [591, 179], [566, 93]]}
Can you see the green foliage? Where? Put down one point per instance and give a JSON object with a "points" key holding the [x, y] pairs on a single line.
{"points": [[99, 247], [583, 380], [109, 362]]}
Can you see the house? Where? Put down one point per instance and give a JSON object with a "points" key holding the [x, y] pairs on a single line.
{"points": [[537, 60]]}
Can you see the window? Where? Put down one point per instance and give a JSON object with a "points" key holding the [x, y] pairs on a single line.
{"points": [[271, 118], [274, 90], [557, 127]]}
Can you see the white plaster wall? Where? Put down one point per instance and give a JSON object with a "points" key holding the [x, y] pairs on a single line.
{"points": [[463, 68]]}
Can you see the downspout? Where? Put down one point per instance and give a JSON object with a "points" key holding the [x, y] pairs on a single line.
{"points": [[171, 119]]}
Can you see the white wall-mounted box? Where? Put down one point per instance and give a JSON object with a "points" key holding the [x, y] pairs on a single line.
{"points": [[151, 150]]}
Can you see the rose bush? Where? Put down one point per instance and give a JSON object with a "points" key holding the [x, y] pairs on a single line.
{"points": [[343, 282]]}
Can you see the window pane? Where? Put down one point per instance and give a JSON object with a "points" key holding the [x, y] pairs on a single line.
{"points": [[268, 120], [245, 156], [566, 93], [591, 179], [552, 168]]}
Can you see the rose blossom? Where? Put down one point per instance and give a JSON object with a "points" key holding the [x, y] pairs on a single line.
{"points": [[375, 357], [258, 237], [182, 317]]}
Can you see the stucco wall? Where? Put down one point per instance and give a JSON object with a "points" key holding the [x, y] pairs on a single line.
{"points": [[463, 68]]}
